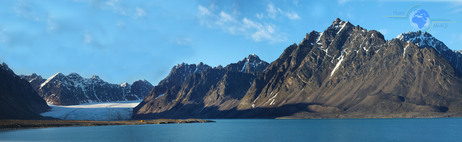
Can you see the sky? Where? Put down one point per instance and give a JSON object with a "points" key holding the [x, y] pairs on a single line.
{"points": [[126, 40]]}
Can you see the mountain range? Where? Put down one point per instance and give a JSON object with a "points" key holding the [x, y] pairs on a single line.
{"points": [[73, 89], [343, 72], [190, 90]]}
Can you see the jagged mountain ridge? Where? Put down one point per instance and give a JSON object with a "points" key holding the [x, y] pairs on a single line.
{"points": [[73, 89], [18, 100], [190, 89], [344, 71], [349, 70]]}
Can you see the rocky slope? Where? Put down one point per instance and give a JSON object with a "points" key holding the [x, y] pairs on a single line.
{"points": [[18, 100], [344, 71], [73, 89], [199, 90]]}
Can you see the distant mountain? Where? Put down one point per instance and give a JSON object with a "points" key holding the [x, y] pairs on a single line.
{"points": [[73, 89], [191, 90], [344, 71], [34, 80], [18, 100]]}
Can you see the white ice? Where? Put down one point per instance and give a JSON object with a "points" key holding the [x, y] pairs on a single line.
{"points": [[109, 111]]}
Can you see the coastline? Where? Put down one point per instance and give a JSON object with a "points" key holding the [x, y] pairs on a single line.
{"points": [[24, 124]]}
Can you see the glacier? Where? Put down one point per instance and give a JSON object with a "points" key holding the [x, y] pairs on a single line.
{"points": [[108, 111]]}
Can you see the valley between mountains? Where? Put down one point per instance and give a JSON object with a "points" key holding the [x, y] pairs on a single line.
{"points": [[345, 71]]}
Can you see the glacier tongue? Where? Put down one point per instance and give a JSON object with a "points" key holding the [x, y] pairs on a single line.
{"points": [[110, 111]]}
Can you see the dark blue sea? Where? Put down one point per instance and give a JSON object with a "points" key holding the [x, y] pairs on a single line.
{"points": [[256, 130]]}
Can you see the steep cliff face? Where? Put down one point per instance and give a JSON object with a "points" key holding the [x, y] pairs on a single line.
{"points": [[344, 71], [73, 89], [18, 100], [200, 90]]}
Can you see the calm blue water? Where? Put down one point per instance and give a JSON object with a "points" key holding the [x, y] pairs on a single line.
{"points": [[254, 130]]}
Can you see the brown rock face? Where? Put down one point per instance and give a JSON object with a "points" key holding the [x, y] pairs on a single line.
{"points": [[18, 100], [199, 90], [347, 71]]}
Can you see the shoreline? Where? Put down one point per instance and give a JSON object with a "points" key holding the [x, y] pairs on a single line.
{"points": [[25, 124]]}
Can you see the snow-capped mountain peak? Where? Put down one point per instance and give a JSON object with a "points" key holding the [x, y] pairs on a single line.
{"points": [[74, 89], [426, 40], [57, 76], [423, 40], [251, 63]]}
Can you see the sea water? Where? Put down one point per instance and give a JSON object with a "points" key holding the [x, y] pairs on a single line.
{"points": [[255, 130]]}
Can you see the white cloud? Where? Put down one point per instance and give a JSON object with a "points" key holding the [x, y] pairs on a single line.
{"points": [[229, 23], [36, 14], [224, 18], [115, 6], [260, 15], [295, 2], [51, 24], [183, 41], [140, 12], [25, 10], [292, 15], [204, 11], [87, 38], [118, 7], [261, 31], [272, 12]]}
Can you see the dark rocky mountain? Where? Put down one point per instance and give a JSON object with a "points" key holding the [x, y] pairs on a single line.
{"points": [[74, 89], [18, 100], [196, 90], [345, 71]]}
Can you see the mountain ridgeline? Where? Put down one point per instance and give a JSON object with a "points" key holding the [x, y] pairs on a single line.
{"points": [[345, 71], [190, 90], [18, 100], [73, 89]]}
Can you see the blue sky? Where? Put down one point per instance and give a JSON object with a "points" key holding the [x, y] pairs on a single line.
{"points": [[125, 40]]}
